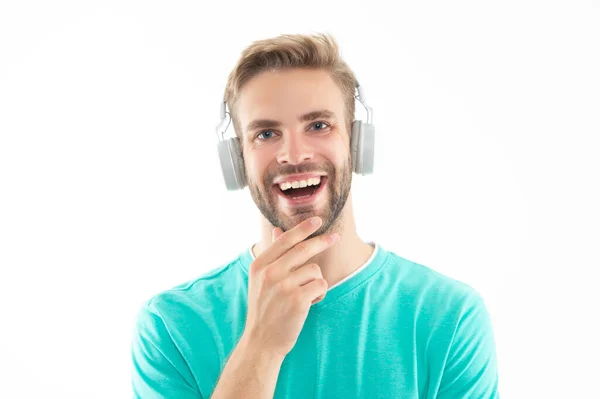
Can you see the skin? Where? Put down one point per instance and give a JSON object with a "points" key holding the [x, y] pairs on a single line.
{"points": [[319, 145]]}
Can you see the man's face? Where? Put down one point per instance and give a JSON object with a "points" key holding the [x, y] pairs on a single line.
{"points": [[285, 146]]}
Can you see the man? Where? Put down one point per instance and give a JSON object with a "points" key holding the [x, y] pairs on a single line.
{"points": [[310, 310]]}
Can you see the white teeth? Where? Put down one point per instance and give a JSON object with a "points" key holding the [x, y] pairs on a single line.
{"points": [[313, 181]]}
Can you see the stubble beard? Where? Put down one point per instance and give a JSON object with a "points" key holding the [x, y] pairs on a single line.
{"points": [[337, 191]]}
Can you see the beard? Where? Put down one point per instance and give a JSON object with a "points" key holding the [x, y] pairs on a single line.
{"points": [[337, 191]]}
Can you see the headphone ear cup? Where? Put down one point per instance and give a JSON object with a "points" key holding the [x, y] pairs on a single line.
{"points": [[362, 147], [232, 164], [367, 149], [354, 144]]}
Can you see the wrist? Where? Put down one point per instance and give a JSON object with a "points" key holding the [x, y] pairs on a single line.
{"points": [[260, 353]]}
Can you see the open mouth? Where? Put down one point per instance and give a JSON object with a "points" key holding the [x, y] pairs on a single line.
{"points": [[301, 195]]}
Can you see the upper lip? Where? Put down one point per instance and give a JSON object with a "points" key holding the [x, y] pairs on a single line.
{"points": [[291, 178]]}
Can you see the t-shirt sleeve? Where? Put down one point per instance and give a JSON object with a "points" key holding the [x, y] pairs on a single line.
{"points": [[159, 370], [471, 367]]}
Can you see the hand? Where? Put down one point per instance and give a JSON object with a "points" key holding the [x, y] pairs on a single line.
{"points": [[281, 287]]}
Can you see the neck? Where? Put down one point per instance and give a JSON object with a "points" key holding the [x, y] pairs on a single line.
{"points": [[336, 262]]}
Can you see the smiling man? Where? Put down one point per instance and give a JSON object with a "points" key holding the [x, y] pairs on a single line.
{"points": [[309, 310], [307, 143]]}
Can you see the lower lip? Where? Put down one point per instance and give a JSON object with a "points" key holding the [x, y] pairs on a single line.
{"points": [[304, 200]]}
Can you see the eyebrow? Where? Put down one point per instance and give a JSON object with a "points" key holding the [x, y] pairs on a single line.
{"points": [[270, 123]]}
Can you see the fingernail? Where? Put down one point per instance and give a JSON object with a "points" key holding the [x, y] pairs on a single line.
{"points": [[315, 221]]}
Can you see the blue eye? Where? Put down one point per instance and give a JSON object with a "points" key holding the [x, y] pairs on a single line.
{"points": [[320, 123], [265, 132]]}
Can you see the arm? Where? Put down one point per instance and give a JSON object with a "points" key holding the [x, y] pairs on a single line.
{"points": [[471, 370], [250, 373], [159, 371]]}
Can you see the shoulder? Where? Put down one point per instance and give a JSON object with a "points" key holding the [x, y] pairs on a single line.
{"points": [[436, 301], [450, 313], [208, 290], [425, 282]]}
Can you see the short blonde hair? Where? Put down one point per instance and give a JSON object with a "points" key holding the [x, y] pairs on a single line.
{"points": [[287, 51]]}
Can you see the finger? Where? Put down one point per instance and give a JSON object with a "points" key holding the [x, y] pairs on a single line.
{"points": [[287, 240], [275, 233], [319, 299], [302, 252], [314, 290], [304, 275]]}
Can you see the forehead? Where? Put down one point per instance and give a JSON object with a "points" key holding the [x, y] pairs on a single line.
{"points": [[285, 95]]}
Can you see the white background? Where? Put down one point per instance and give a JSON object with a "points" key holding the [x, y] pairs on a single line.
{"points": [[487, 170]]}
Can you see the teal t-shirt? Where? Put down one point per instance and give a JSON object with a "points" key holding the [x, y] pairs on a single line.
{"points": [[391, 329]]}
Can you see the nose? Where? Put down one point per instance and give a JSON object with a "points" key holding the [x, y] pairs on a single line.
{"points": [[294, 150]]}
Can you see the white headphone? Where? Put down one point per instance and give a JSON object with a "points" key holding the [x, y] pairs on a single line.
{"points": [[362, 147]]}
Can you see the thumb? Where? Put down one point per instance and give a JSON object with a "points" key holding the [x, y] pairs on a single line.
{"points": [[276, 232]]}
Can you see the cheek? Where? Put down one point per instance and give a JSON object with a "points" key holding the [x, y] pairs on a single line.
{"points": [[338, 154], [340, 147], [256, 167]]}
